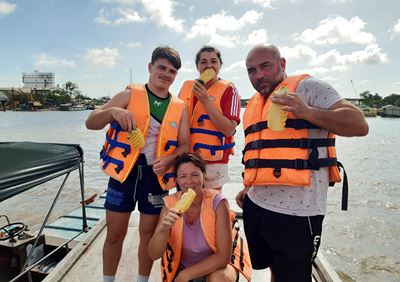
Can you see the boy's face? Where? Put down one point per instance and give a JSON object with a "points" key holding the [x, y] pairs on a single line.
{"points": [[162, 74]]}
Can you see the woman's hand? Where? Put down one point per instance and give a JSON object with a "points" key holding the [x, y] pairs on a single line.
{"points": [[200, 92], [182, 277], [171, 216]]}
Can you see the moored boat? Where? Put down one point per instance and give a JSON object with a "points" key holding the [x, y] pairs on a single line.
{"points": [[26, 256]]}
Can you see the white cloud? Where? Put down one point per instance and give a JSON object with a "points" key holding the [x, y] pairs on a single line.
{"points": [[258, 36], [187, 67], [264, 3], [396, 27], [337, 30], [222, 22], [371, 55], [334, 60], [125, 16], [46, 61], [161, 12], [300, 51], [136, 44], [104, 57], [7, 8], [235, 67]]}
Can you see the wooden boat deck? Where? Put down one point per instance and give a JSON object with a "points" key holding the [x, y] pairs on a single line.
{"points": [[84, 262]]}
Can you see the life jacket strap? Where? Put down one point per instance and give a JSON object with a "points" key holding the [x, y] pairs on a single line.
{"points": [[170, 256], [111, 143], [170, 143], [208, 132], [235, 225], [118, 163], [290, 123], [345, 187], [200, 120], [213, 149], [167, 177], [303, 143], [292, 164]]}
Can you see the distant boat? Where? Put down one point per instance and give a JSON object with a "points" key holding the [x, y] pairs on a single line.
{"points": [[390, 111], [368, 111]]}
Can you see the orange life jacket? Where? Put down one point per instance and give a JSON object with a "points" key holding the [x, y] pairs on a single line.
{"points": [[205, 138], [119, 157], [284, 157], [171, 258]]}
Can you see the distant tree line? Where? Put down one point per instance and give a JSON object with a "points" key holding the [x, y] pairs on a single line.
{"points": [[377, 101], [55, 97]]}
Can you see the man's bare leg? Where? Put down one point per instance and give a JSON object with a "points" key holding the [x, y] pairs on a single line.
{"points": [[147, 225], [117, 226]]}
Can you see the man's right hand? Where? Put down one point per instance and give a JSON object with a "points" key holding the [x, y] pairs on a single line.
{"points": [[240, 196], [124, 118]]}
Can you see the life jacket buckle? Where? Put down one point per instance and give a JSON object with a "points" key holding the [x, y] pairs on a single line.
{"points": [[300, 164], [305, 143], [277, 172]]}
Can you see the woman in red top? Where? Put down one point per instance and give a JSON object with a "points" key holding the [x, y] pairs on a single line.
{"points": [[214, 113]]}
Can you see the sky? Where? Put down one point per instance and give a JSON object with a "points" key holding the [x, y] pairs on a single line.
{"points": [[102, 44]]}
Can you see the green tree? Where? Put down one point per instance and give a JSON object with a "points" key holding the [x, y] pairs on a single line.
{"points": [[392, 99], [371, 100]]}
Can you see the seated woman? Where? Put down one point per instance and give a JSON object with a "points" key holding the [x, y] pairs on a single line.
{"points": [[198, 244]]}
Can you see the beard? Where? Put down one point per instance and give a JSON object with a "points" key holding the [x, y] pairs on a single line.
{"points": [[266, 86]]}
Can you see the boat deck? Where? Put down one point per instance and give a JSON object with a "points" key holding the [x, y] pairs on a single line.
{"points": [[85, 259], [89, 263]]}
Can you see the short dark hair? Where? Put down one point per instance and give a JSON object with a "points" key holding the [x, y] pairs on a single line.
{"points": [[166, 52], [189, 158], [208, 48]]}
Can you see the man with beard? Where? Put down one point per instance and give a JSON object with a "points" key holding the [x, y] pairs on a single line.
{"points": [[140, 175], [287, 173]]}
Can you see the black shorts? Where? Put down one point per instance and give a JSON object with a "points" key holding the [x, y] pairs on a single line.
{"points": [[285, 243], [141, 186]]}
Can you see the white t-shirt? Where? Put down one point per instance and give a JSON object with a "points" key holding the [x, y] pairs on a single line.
{"points": [[149, 150], [302, 201]]}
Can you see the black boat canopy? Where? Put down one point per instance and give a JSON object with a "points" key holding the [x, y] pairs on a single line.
{"points": [[24, 165]]}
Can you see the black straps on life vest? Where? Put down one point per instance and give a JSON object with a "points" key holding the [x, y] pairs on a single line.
{"points": [[345, 187], [235, 225], [303, 143], [169, 255], [290, 123]]}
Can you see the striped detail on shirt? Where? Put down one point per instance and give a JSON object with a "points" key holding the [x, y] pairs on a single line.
{"points": [[235, 104]]}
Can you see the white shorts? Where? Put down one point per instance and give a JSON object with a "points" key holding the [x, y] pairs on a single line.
{"points": [[216, 175]]}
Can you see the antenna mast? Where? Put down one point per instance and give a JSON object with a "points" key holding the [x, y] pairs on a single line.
{"points": [[354, 88]]}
